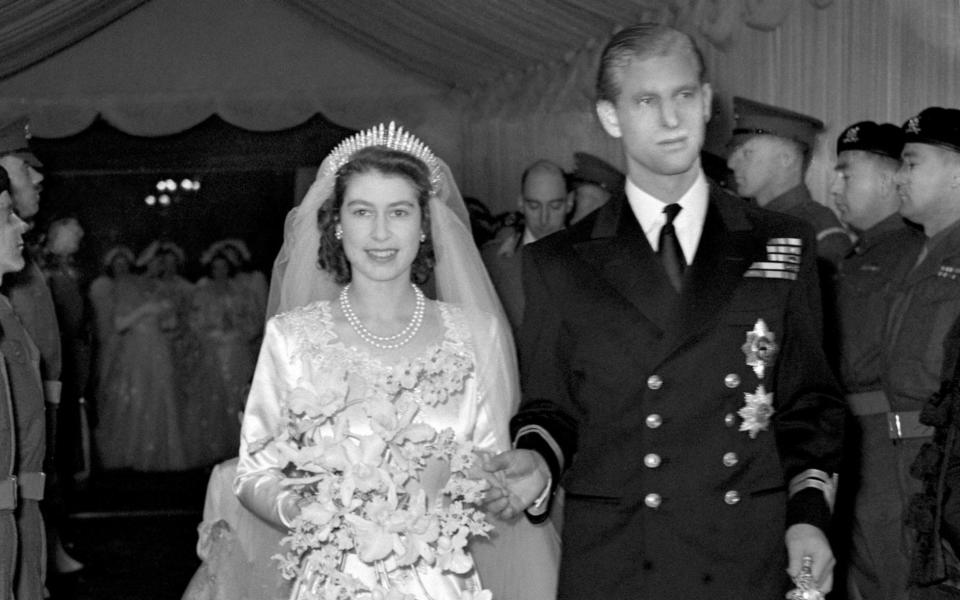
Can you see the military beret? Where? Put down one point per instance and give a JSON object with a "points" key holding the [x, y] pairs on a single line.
{"points": [[15, 140], [756, 118], [879, 138], [935, 125], [590, 169]]}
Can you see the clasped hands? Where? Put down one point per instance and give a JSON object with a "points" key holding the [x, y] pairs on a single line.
{"points": [[516, 478]]}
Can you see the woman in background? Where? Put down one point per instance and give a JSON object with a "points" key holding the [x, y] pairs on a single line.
{"points": [[139, 426], [224, 319]]}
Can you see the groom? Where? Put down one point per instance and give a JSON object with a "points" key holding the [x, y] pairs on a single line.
{"points": [[672, 369]]}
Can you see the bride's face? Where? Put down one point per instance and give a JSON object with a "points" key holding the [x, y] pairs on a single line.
{"points": [[381, 221]]}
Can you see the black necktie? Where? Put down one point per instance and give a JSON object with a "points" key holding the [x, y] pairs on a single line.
{"points": [[669, 248]]}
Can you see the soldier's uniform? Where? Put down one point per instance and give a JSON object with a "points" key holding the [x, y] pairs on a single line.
{"points": [[8, 487], [833, 241], [924, 303], [30, 299], [22, 361], [865, 276], [755, 118]]}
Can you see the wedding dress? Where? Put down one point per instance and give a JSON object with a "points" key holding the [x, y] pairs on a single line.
{"points": [[519, 561], [138, 426]]}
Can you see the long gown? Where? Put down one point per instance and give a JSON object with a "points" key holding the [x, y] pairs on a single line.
{"points": [[301, 346], [224, 319], [138, 425]]}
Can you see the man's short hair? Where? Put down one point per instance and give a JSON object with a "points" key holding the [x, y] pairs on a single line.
{"points": [[544, 166], [641, 41]]}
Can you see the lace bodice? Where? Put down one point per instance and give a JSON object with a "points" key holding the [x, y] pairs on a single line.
{"points": [[442, 368], [304, 362]]}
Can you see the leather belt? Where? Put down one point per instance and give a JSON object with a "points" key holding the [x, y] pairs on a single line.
{"points": [[873, 402], [8, 493], [901, 425], [28, 486]]}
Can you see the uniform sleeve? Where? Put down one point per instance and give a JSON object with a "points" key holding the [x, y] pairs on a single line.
{"points": [[811, 421], [547, 421], [259, 470]]}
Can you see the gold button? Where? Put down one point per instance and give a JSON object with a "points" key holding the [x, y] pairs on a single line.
{"points": [[732, 380], [651, 460], [652, 500], [729, 419], [732, 497], [730, 459], [654, 420], [654, 382]]}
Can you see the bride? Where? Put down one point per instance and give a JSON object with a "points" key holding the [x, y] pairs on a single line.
{"points": [[364, 383]]}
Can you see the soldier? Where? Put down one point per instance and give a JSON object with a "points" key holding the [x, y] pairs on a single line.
{"points": [[593, 181], [22, 482], [32, 301], [925, 295], [27, 290], [770, 151], [865, 192], [8, 463]]}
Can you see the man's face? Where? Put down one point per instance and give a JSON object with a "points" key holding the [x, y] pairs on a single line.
{"points": [[926, 173], [24, 185], [660, 115], [544, 202], [859, 189], [12, 229], [754, 164], [65, 237]]}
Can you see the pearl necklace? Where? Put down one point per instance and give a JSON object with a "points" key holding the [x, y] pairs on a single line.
{"points": [[384, 342]]}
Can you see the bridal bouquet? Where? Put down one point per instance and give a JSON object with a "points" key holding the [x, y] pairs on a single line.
{"points": [[365, 494]]}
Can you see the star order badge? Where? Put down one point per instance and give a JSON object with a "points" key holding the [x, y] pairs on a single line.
{"points": [[756, 412], [760, 347]]}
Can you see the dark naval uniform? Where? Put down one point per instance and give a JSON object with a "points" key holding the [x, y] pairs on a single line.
{"points": [[22, 361], [878, 564], [833, 242], [679, 424]]}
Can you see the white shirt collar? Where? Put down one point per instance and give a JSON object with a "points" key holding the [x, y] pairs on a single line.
{"points": [[689, 222], [528, 237]]}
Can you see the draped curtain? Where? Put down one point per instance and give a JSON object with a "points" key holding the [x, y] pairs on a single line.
{"points": [[493, 84], [33, 31], [843, 62]]}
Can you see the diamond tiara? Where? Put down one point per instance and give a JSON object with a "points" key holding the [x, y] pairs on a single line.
{"points": [[391, 136]]}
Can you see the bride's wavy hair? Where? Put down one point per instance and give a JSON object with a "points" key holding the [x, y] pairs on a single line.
{"points": [[381, 159]]}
